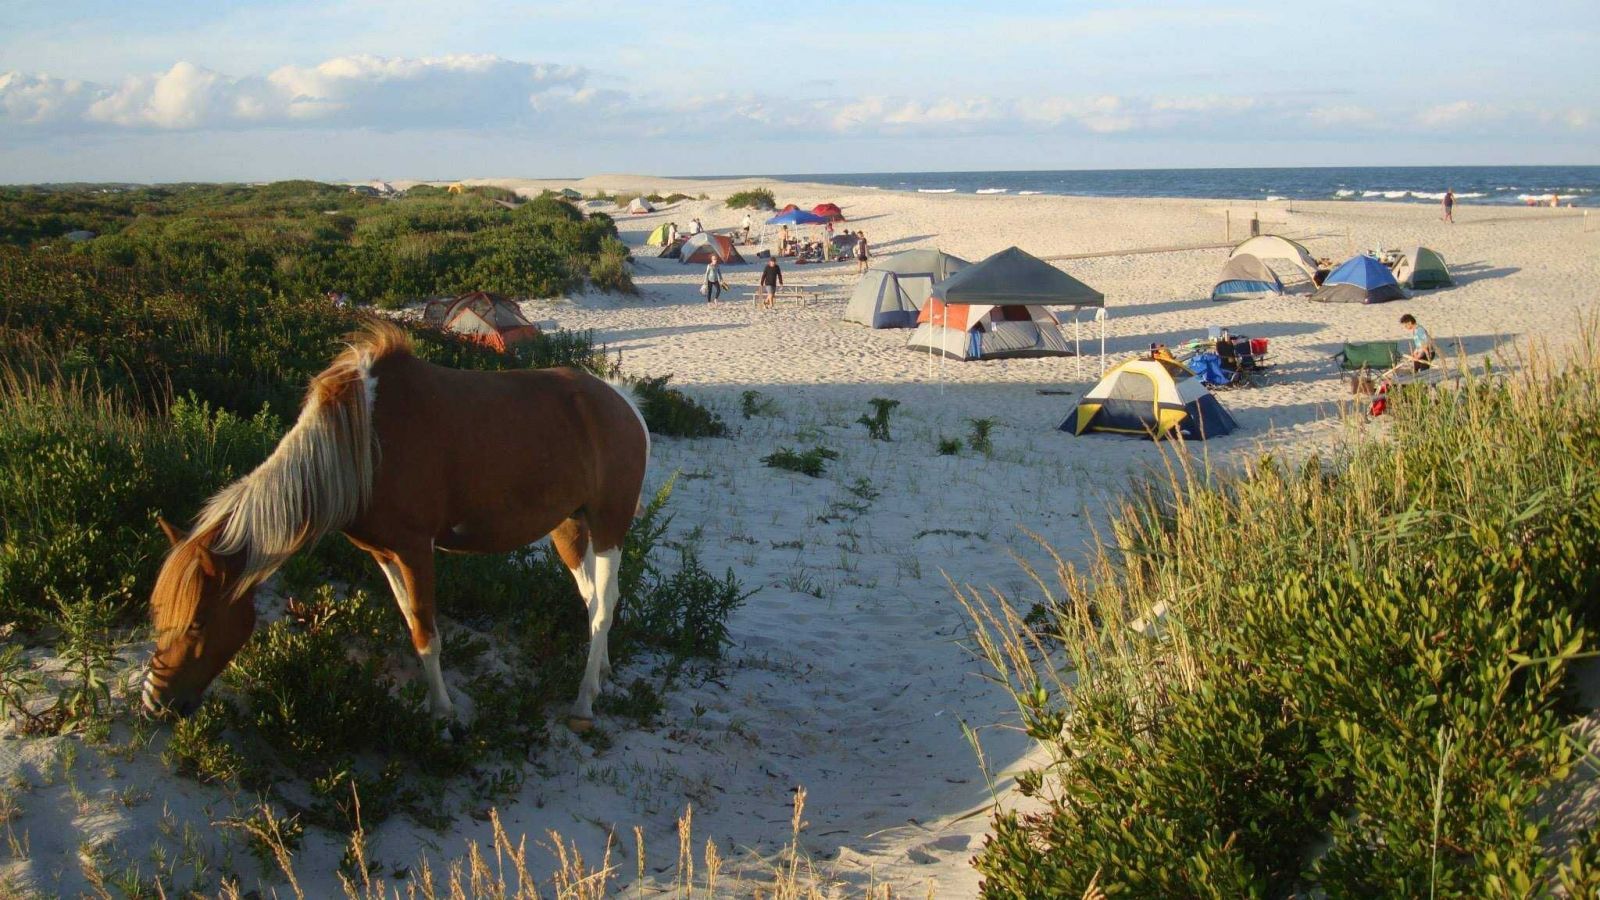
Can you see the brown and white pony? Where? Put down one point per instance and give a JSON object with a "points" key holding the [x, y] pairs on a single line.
{"points": [[404, 456]]}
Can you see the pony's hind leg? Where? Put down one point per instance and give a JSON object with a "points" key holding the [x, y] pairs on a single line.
{"points": [[411, 579], [571, 540], [601, 610]]}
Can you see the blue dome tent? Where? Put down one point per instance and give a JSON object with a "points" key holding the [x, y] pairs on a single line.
{"points": [[1361, 279]]}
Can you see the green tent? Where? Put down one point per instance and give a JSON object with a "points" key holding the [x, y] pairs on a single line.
{"points": [[659, 237], [1420, 267]]}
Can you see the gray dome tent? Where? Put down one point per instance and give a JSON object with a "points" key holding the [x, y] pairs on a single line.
{"points": [[892, 291], [1420, 267], [1246, 276]]}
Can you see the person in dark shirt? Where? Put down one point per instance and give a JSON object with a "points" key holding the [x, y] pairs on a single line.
{"points": [[861, 252], [771, 278], [1449, 205]]}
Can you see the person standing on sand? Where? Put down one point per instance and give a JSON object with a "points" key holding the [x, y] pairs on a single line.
{"points": [[714, 284], [747, 226], [861, 252], [771, 279], [1449, 205]]}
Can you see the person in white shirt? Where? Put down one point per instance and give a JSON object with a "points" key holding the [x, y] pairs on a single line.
{"points": [[694, 225], [747, 226]]}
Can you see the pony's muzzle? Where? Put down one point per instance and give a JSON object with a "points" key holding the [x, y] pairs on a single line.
{"points": [[182, 708]]}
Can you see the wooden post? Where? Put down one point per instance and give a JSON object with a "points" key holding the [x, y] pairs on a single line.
{"points": [[1228, 225]]}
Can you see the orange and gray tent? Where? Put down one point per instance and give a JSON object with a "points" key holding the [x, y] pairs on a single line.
{"points": [[480, 316], [1150, 398], [1245, 275], [700, 248], [892, 291], [1422, 268], [1270, 248], [996, 308]]}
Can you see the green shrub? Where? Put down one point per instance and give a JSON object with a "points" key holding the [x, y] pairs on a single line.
{"points": [[949, 446], [811, 462], [760, 198], [753, 403], [878, 423], [670, 411], [978, 439], [81, 481], [1343, 680]]}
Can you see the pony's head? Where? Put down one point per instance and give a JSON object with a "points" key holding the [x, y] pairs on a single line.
{"points": [[204, 610]]}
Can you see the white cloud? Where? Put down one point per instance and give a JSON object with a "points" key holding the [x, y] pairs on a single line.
{"points": [[482, 93], [349, 91]]}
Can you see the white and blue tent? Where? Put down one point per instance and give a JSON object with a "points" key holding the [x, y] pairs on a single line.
{"points": [[1246, 276]]}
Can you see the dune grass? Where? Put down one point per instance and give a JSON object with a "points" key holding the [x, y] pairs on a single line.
{"points": [[1349, 675]]}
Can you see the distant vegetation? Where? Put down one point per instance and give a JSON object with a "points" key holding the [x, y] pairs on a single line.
{"points": [[304, 239], [760, 198], [1345, 679]]}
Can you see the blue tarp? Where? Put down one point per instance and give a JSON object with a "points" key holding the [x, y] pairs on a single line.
{"points": [[797, 217]]}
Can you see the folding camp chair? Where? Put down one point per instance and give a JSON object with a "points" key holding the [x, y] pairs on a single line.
{"points": [[1359, 361]]}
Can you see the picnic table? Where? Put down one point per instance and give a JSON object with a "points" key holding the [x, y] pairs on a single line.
{"points": [[803, 294]]}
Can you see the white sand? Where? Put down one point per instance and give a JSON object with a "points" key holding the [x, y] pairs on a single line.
{"points": [[848, 674]]}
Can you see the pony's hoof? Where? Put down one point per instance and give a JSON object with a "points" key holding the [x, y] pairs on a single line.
{"points": [[580, 725]]}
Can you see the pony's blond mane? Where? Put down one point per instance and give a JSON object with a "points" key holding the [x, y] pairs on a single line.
{"points": [[317, 480]]}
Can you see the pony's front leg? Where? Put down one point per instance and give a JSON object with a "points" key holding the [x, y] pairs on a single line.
{"points": [[410, 576], [602, 608]]}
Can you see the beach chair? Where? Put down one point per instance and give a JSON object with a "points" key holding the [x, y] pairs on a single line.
{"points": [[1365, 364]]}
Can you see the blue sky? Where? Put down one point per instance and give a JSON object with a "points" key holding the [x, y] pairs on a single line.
{"points": [[360, 89]]}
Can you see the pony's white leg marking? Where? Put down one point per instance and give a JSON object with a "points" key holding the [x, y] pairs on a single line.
{"points": [[438, 697], [600, 613]]}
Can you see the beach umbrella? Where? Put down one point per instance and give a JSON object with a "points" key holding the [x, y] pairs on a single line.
{"points": [[797, 217]]}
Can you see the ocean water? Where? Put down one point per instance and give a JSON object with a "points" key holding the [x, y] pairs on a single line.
{"points": [[1496, 185]]}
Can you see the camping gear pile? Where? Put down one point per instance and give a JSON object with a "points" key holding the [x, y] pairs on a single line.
{"points": [[1226, 361], [482, 317]]}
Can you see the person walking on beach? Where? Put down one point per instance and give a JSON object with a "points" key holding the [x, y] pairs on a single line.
{"points": [[714, 283], [861, 252], [1449, 206], [747, 226], [771, 279]]}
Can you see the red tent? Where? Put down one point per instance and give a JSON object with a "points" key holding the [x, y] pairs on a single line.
{"points": [[828, 211], [790, 208]]}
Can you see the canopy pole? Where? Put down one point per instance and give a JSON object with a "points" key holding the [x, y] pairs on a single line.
{"points": [[1100, 315], [1077, 343]]}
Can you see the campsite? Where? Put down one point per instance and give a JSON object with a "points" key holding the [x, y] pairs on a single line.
{"points": [[942, 428]]}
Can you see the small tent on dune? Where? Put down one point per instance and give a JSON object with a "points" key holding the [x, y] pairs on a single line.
{"points": [[1361, 279], [996, 308], [828, 211], [892, 291], [570, 194], [1246, 276], [480, 316], [640, 205], [1150, 398], [661, 236], [1420, 269], [700, 248], [787, 207], [1270, 248]]}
